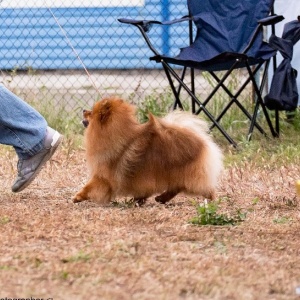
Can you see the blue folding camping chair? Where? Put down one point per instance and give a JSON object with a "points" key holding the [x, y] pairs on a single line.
{"points": [[229, 35]]}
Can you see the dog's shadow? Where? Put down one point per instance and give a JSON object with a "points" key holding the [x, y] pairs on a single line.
{"points": [[130, 203]]}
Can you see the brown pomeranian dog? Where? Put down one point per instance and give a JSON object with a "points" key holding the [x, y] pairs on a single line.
{"points": [[162, 157]]}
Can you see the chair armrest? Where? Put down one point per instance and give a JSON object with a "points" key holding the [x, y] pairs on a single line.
{"points": [[131, 21], [271, 20], [146, 24]]}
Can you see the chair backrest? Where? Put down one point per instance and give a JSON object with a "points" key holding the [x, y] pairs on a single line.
{"points": [[228, 25]]}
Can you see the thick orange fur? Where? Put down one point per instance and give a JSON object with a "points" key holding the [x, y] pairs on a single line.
{"points": [[162, 157]]}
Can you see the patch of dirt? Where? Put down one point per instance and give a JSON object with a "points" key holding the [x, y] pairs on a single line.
{"points": [[52, 248]]}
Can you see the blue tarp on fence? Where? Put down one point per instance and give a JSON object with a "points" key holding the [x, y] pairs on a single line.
{"points": [[31, 38]]}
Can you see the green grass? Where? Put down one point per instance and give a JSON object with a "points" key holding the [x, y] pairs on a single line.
{"points": [[157, 104], [276, 151], [80, 256], [126, 203], [59, 117], [4, 220], [208, 214], [282, 220]]}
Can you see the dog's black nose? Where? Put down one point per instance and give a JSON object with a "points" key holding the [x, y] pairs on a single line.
{"points": [[85, 123]]}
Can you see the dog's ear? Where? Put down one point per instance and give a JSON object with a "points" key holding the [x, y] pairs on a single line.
{"points": [[86, 113], [105, 111]]}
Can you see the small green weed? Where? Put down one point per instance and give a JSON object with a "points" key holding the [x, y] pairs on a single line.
{"points": [[37, 262], [207, 214], [64, 275], [125, 203], [5, 267], [282, 220], [81, 256], [4, 220]]}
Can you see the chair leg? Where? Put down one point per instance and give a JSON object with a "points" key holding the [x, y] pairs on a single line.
{"points": [[277, 121], [219, 84], [193, 104], [234, 100], [172, 75], [169, 71], [177, 101], [254, 116], [259, 102]]}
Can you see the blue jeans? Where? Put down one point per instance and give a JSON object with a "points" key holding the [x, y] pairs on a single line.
{"points": [[21, 126]]}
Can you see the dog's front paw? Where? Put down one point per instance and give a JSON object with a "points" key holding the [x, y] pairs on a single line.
{"points": [[79, 198]]}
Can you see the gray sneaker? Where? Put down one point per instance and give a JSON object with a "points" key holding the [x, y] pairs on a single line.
{"points": [[28, 169]]}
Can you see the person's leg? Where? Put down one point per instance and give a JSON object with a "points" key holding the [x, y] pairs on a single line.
{"points": [[22, 127]]}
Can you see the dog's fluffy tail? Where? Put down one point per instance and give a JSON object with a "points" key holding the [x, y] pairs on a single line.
{"points": [[187, 120], [214, 156]]}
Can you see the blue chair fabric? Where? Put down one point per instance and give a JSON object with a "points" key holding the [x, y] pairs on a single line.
{"points": [[224, 30]]}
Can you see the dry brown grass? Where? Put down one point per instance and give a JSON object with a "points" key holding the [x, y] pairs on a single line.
{"points": [[51, 247]]}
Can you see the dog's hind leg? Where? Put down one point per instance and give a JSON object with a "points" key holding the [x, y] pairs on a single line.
{"points": [[209, 194], [166, 196], [96, 189]]}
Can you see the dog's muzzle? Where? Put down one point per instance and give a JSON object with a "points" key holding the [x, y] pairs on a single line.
{"points": [[85, 123]]}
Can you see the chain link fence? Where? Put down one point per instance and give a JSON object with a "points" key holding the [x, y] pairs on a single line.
{"points": [[73, 53]]}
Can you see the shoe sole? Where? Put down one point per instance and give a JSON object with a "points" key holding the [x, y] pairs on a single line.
{"points": [[42, 163]]}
